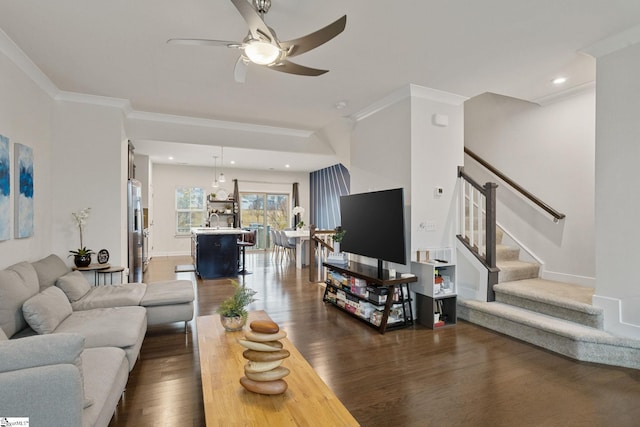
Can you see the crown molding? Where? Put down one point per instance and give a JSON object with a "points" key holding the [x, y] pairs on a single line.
{"points": [[12, 51], [218, 124], [408, 91], [437, 95], [614, 43], [383, 103], [104, 101], [565, 94]]}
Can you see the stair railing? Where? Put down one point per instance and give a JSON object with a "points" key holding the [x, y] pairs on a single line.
{"points": [[319, 249], [478, 224], [557, 216]]}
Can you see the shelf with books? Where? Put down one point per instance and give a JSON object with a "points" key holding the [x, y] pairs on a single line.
{"points": [[381, 304], [436, 293]]}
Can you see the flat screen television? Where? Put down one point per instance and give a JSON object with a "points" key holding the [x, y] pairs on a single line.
{"points": [[374, 225]]}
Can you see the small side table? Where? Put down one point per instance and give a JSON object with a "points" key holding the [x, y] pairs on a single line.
{"points": [[95, 268], [109, 271]]}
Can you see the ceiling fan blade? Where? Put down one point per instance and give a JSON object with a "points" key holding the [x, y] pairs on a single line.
{"points": [[257, 27], [315, 39], [293, 68], [240, 70], [205, 42]]}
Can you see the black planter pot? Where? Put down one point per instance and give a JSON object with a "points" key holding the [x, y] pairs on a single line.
{"points": [[82, 260]]}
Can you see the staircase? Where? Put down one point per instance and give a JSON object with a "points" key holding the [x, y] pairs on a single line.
{"points": [[553, 315]]}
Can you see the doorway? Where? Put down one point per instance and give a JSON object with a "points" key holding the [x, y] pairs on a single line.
{"points": [[263, 212]]}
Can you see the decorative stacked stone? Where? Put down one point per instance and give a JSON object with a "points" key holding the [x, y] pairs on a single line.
{"points": [[264, 354]]}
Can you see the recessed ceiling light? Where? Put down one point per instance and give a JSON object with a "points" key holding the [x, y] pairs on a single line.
{"points": [[287, 166], [340, 105], [170, 157], [233, 162], [559, 80]]}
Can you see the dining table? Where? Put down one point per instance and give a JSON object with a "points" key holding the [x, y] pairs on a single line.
{"points": [[301, 238]]}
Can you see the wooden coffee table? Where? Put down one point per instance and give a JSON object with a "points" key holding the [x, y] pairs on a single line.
{"points": [[308, 400]]}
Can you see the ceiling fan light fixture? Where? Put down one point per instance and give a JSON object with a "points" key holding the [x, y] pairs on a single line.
{"points": [[262, 53]]}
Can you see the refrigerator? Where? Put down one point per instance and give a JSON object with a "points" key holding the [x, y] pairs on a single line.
{"points": [[135, 230]]}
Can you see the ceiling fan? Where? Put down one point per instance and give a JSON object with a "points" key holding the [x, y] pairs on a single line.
{"points": [[262, 47]]}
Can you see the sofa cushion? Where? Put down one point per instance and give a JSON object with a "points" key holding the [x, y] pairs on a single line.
{"points": [[18, 283], [49, 269], [106, 370], [74, 285], [168, 292], [46, 310], [124, 295], [32, 352]]}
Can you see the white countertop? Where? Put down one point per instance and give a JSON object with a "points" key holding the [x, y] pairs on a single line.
{"points": [[214, 230]]}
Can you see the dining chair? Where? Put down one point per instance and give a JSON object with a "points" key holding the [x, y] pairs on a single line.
{"points": [[275, 239], [289, 245]]}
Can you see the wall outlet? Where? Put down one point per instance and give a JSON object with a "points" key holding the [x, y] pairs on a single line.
{"points": [[438, 192], [427, 226]]}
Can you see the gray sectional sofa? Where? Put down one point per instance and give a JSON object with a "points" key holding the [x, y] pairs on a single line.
{"points": [[66, 347]]}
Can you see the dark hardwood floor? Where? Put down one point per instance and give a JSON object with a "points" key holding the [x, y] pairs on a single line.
{"points": [[459, 376]]}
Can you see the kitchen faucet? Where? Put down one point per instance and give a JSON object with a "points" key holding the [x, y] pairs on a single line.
{"points": [[217, 220]]}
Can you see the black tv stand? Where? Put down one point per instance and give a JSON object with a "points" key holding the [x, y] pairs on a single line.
{"points": [[397, 301]]}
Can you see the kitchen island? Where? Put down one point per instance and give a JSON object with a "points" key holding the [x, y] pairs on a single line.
{"points": [[215, 251]]}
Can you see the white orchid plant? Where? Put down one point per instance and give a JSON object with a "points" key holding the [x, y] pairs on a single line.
{"points": [[299, 210], [80, 217]]}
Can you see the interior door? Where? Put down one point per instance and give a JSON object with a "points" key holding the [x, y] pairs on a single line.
{"points": [[263, 212]]}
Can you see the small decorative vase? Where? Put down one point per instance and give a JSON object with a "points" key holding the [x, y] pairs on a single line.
{"points": [[232, 324], [336, 247], [82, 260]]}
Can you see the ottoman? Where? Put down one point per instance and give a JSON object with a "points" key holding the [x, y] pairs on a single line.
{"points": [[169, 301]]}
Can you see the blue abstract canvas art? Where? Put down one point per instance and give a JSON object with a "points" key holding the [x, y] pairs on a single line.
{"points": [[5, 189], [24, 201]]}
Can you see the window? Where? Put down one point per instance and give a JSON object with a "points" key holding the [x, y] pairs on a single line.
{"points": [[190, 209], [263, 212]]}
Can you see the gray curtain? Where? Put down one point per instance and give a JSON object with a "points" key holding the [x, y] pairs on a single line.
{"points": [[296, 202], [236, 205]]}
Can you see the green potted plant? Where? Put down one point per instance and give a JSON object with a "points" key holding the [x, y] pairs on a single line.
{"points": [[81, 256], [233, 312], [337, 238]]}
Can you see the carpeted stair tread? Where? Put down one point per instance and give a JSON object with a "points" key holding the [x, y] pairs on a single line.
{"points": [[548, 323], [507, 253], [568, 338], [517, 270], [565, 295]]}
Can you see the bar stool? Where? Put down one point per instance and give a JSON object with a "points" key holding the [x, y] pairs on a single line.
{"points": [[248, 240]]}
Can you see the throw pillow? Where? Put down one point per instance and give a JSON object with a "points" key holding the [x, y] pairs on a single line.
{"points": [[74, 285], [49, 269], [46, 310], [3, 336]]}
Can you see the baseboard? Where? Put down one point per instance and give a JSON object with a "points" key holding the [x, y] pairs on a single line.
{"points": [[613, 317], [569, 278], [161, 254]]}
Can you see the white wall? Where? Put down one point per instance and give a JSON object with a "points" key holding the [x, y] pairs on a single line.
{"points": [[89, 170], [548, 150], [167, 177], [436, 153], [618, 189], [399, 146], [25, 118]]}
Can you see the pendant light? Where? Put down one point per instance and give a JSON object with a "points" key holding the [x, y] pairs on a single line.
{"points": [[222, 178], [214, 184]]}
